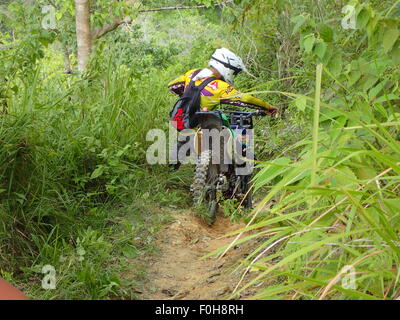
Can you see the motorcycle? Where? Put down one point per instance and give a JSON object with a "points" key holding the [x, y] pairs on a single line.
{"points": [[224, 161]]}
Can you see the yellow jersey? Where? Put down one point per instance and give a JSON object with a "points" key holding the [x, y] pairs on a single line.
{"points": [[217, 92]]}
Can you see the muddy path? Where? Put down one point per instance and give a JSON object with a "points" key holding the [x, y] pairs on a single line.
{"points": [[177, 272]]}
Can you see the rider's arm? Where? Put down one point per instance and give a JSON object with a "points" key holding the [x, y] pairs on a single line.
{"points": [[177, 86], [231, 96]]}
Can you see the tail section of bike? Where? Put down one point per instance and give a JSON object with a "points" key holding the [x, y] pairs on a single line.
{"points": [[223, 149]]}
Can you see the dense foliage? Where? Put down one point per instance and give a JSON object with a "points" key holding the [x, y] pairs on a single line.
{"points": [[75, 189], [337, 199]]}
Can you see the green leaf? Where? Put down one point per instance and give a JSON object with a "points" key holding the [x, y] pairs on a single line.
{"points": [[272, 170], [363, 18], [373, 93], [343, 177], [365, 173], [389, 39], [80, 251], [320, 49], [354, 76], [328, 54], [301, 103], [299, 21], [326, 33], [97, 173], [308, 43], [369, 82], [388, 97], [335, 65], [15, 89], [130, 252], [371, 26], [44, 41], [395, 54], [393, 203], [21, 198]]}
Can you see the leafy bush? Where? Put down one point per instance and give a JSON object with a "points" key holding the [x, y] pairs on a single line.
{"points": [[336, 202]]}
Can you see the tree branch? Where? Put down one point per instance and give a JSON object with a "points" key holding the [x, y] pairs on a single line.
{"points": [[173, 8], [187, 7], [101, 31]]}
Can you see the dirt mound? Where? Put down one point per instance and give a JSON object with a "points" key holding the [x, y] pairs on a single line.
{"points": [[178, 273]]}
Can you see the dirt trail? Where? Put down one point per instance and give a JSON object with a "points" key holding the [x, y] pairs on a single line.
{"points": [[178, 273]]}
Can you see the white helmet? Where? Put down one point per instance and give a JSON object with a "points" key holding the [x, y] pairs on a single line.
{"points": [[226, 63]]}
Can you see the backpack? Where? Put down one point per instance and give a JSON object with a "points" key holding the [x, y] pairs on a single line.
{"points": [[182, 114]]}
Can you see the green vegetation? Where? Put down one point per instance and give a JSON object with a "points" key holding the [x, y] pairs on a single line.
{"points": [[337, 197], [76, 191]]}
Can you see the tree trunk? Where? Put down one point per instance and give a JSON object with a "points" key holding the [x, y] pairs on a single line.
{"points": [[83, 35]]}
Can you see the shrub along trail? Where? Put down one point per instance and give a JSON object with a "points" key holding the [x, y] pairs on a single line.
{"points": [[77, 191], [178, 272]]}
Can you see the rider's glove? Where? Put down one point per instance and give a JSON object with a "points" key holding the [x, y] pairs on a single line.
{"points": [[271, 111], [262, 113]]}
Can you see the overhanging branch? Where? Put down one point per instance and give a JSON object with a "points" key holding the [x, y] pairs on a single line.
{"points": [[174, 8], [101, 31]]}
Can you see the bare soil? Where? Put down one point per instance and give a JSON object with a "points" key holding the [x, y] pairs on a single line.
{"points": [[177, 272]]}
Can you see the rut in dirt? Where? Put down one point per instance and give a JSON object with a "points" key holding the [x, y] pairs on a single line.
{"points": [[177, 271]]}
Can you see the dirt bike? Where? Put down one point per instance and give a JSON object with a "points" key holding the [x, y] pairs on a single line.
{"points": [[217, 180]]}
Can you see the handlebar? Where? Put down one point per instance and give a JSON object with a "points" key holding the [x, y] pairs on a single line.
{"points": [[259, 113], [242, 118]]}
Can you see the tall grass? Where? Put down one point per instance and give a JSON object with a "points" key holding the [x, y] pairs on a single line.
{"points": [[72, 168], [352, 229], [346, 244], [75, 188], [74, 183], [316, 122]]}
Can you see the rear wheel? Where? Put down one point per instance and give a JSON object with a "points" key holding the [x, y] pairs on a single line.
{"points": [[248, 193], [205, 186]]}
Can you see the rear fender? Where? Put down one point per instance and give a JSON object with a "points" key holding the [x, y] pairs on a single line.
{"points": [[208, 120]]}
